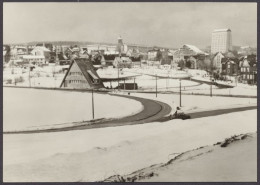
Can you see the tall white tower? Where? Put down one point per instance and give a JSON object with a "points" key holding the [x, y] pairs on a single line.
{"points": [[221, 41]]}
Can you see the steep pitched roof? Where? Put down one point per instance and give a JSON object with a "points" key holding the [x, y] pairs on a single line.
{"points": [[41, 48], [87, 70], [229, 55]]}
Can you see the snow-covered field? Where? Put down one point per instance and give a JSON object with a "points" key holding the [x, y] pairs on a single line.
{"points": [[159, 72], [146, 82], [113, 73], [34, 108], [95, 154], [238, 90], [48, 76]]}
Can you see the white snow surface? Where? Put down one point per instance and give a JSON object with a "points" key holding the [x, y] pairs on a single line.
{"points": [[146, 82], [35, 108], [95, 154], [45, 77]]}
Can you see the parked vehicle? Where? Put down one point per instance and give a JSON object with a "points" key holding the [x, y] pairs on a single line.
{"points": [[180, 116]]}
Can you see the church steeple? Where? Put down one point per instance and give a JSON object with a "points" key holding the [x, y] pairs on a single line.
{"points": [[120, 45]]}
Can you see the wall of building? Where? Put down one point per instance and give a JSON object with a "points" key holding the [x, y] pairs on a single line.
{"points": [[217, 62], [75, 79]]}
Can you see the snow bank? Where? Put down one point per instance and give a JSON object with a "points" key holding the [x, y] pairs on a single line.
{"points": [[95, 154], [236, 162], [197, 72]]}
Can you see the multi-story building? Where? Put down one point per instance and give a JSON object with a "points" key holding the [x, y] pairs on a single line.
{"points": [[230, 64], [217, 58], [248, 69], [221, 41], [153, 54]]}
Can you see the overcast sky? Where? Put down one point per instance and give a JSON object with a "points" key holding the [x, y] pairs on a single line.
{"points": [[161, 24]]}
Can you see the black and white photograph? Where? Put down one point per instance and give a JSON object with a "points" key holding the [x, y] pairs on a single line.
{"points": [[129, 92]]}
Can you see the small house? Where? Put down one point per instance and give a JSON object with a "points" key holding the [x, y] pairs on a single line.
{"points": [[248, 70], [217, 61]]}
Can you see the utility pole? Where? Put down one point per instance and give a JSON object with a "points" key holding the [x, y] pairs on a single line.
{"points": [[93, 110], [166, 83], [156, 85], [252, 77], [134, 83], [29, 76], [118, 76], [211, 89], [180, 92]]}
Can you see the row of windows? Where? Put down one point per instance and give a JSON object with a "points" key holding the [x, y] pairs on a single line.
{"points": [[75, 73], [76, 81], [244, 69], [34, 59], [251, 77]]}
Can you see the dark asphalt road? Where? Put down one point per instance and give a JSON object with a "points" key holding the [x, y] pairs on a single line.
{"points": [[213, 112]]}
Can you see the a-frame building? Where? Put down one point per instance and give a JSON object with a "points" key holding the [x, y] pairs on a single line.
{"points": [[81, 75]]}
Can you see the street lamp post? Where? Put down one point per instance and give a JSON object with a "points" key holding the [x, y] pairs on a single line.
{"points": [[29, 76], [180, 92], [253, 77], [210, 90], [134, 83], [156, 85], [93, 110], [118, 77], [211, 87]]}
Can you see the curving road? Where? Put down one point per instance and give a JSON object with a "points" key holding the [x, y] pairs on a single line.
{"points": [[152, 111]]}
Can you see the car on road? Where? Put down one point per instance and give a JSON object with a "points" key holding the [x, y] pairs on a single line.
{"points": [[181, 116]]}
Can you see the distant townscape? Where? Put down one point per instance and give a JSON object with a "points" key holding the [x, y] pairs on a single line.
{"points": [[221, 61]]}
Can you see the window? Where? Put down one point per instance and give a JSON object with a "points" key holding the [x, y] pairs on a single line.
{"points": [[76, 73]]}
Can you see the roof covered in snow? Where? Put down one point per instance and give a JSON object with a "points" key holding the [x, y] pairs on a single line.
{"points": [[193, 50], [40, 48], [230, 55], [222, 30], [33, 57]]}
